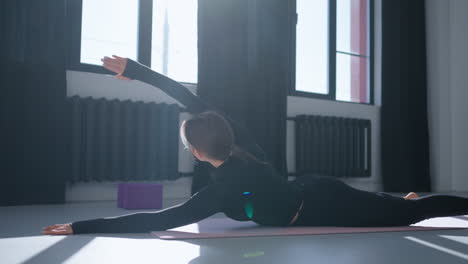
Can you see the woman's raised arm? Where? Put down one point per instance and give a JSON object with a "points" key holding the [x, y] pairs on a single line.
{"points": [[127, 68], [130, 69]]}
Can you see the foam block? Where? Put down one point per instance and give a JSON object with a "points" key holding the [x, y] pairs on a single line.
{"points": [[139, 196]]}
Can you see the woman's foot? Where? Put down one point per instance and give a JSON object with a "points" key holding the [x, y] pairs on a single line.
{"points": [[411, 195]]}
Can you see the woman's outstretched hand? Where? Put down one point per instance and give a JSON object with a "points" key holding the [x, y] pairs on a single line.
{"points": [[63, 229], [117, 65]]}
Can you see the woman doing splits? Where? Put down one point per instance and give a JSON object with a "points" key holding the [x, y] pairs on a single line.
{"points": [[245, 187]]}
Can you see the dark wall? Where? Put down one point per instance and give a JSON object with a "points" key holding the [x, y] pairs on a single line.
{"points": [[32, 114]]}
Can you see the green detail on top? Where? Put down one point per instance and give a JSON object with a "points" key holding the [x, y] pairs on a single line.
{"points": [[254, 254], [249, 211], [248, 208]]}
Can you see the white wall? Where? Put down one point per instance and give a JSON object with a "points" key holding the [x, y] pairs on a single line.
{"points": [[86, 84], [301, 105], [447, 43]]}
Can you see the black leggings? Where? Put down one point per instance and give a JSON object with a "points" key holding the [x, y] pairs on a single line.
{"points": [[330, 202]]}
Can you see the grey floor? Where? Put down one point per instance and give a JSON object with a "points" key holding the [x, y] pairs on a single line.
{"points": [[22, 242]]}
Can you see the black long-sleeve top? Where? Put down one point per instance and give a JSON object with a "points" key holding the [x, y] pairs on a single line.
{"points": [[238, 183]]}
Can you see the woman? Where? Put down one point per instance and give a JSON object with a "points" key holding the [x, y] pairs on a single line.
{"points": [[246, 188]]}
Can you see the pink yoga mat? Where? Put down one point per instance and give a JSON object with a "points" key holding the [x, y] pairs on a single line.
{"points": [[225, 227]]}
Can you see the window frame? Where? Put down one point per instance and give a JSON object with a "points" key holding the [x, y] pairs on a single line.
{"points": [[331, 78], [74, 12]]}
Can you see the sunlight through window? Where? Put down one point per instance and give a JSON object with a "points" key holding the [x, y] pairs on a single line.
{"points": [[35, 245], [108, 27], [174, 43], [312, 46]]}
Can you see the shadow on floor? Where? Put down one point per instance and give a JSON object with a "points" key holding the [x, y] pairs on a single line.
{"points": [[60, 251], [327, 249], [315, 248]]}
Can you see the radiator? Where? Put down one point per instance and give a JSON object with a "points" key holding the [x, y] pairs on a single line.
{"points": [[114, 140], [333, 146]]}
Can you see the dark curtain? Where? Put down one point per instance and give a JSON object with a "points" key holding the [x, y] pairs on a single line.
{"points": [[243, 70], [404, 127], [33, 87]]}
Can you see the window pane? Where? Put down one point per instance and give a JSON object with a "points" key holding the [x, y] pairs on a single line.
{"points": [[352, 78], [174, 44], [108, 27], [312, 46], [352, 22]]}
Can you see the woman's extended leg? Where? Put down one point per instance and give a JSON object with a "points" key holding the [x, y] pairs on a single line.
{"points": [[439, 205], [331, 202]]}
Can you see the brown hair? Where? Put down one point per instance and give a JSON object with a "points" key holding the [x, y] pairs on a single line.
{"points": [[211, 134]]}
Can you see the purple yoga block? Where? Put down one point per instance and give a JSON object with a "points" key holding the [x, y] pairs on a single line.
{"points": [[139, 196]]}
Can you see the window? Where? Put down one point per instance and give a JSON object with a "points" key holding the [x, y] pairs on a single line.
{"points": [[157, 33], [108, 27], [174, 50], [312, 46], [332, 50]]}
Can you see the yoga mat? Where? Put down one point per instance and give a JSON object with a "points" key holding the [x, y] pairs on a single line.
{"points": [[225, 227]]}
